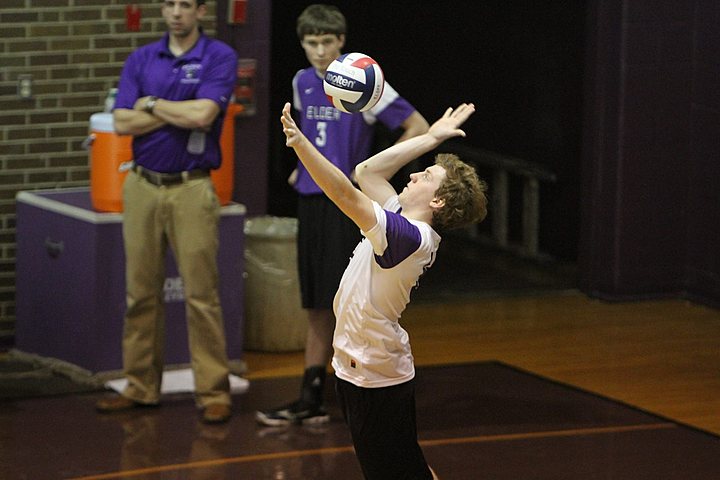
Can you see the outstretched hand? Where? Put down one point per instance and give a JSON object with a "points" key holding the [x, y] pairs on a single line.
{"points": [[448, 125], [292, 132]]}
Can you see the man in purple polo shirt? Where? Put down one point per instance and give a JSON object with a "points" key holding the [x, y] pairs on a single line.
{"points": [[171, 97], [326, 237]]}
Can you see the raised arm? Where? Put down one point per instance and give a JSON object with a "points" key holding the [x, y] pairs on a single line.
{"points": [[333, 182], [374, 174]]}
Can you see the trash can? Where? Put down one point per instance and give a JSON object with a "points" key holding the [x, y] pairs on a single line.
{"points": [[274, 318]]}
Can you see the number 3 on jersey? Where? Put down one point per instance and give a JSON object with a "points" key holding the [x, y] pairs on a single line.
{"points": [[321, 138]]}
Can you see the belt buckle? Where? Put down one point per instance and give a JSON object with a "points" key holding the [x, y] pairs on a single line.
{"points": [[153, 178]]}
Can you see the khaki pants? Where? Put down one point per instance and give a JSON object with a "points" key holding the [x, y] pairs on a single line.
{"points": [[185, 216]]}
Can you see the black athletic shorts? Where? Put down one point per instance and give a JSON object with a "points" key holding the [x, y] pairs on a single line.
{"points": [[384, 431], [325, 241]]}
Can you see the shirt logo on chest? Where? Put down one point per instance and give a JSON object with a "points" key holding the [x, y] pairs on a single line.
{"points": [[191, 73]]}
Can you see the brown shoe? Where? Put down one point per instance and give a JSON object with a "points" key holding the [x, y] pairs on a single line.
{"points": [[117, 404], [216, 413]]}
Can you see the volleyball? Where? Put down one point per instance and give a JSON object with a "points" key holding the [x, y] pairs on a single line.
{"points": [[354, 83]]}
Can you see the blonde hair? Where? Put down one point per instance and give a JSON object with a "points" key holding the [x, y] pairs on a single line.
{"points": [[463, 192]]}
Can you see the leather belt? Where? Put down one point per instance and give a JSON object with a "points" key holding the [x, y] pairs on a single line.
{"points": [[167, 179]]}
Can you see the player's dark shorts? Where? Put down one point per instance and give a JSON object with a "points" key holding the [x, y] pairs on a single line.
{"points": [[384, 431], [325, 241]]}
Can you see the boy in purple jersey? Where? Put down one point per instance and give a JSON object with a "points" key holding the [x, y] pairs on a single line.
{"points": [[372, 358], [171, 98], [325, 236]]}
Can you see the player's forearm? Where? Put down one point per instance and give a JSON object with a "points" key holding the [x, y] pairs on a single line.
{"points": [[338, 188], [331, 180], [386, 163]]}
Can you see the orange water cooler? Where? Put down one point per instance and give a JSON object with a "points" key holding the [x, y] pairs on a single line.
{"points": [[111, 158]]}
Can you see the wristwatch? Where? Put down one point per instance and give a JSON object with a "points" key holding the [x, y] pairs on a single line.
{"points": [[150, 104]]}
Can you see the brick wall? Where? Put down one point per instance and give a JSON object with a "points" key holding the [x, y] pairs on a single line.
{"points": [[74, 50]]}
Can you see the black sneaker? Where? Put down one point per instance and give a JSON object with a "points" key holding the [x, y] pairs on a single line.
{"points": [[298, 413]]}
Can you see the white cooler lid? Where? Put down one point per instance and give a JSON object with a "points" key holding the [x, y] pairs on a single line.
{"points": [[102, 122]]}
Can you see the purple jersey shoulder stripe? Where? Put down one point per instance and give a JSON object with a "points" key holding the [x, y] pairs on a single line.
{"points": [[403, 239]]}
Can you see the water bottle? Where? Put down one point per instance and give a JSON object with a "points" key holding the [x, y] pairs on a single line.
{"points": [[110, 100], [196, 142]]}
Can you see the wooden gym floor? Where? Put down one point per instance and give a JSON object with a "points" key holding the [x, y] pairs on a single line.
{"points": [[662, 356]]}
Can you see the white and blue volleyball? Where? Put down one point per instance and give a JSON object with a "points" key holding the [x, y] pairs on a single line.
{"points": [[354, 82]]}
